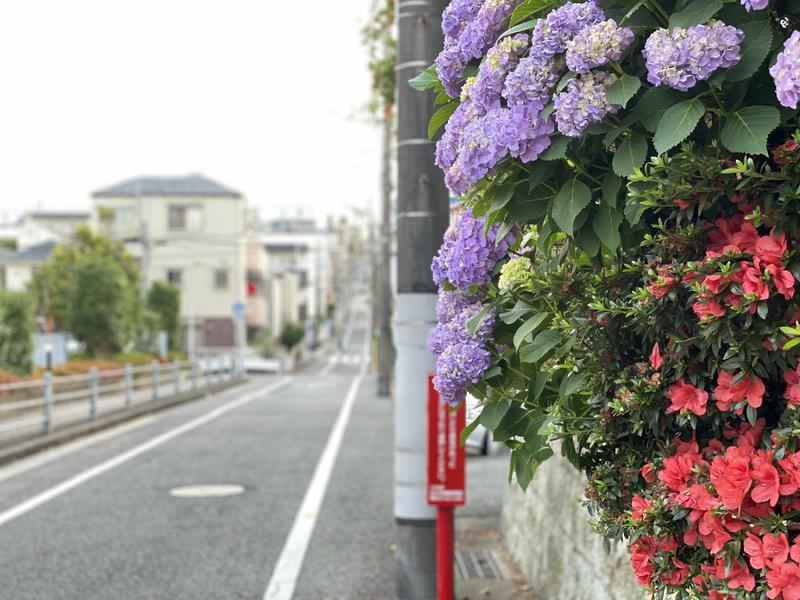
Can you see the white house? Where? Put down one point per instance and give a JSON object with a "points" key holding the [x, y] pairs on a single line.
{"points": [[190, 231]]}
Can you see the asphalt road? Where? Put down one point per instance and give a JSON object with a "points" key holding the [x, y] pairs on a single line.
{"points": [[96, 520]]}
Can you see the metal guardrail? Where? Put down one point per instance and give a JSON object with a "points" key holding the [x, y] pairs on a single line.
{"points": [[39, 407]]}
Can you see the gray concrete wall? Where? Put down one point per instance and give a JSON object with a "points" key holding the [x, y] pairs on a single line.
{"points": [[547, 532]]}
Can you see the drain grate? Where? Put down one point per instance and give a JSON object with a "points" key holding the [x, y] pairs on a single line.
{"points": [[476, 564]]}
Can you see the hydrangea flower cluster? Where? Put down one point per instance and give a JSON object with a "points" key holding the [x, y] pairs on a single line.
{"points": [[551, 34], [583, 103], [465, 262], [786, 72], [470, 28], [517, 272], [686, 56], [597, 44], [487, 86], [751, 5], [533, 81]]}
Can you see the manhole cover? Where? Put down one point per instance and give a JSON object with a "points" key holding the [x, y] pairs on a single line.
{"points": [[207, 490]]}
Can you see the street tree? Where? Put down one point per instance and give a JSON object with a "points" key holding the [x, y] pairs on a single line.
{"points": [[16, 332], [164, 301]]}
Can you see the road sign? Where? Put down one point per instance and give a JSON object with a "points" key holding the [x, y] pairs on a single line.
{"points": [[238, 309], [446, 454]]}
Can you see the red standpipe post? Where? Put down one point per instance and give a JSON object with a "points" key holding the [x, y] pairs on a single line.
{"points": [[444, 553]]}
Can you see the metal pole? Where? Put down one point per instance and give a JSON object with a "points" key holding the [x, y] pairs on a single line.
{"points": [[154, 380], [422, 217], [385, 347], [47, 406], [176, 377], [194, 374], [93, 393], [444, 552], [128, 385]]}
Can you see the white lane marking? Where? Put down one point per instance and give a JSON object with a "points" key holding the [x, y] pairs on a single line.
{"points": [[39, 460], [89, 474], [287, 569]]}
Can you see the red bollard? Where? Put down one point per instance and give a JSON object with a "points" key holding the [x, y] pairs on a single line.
{"points": [[444, 553]]}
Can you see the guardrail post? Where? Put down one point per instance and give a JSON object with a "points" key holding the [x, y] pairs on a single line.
{"points": [[93, 393], [128, 385], [47, 405], [207, 373], [176, 377], [154, 380]]}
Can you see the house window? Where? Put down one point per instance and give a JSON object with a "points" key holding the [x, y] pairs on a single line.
{"points": [[221, 279], [123, 216], [175, 276], [185, 218]]}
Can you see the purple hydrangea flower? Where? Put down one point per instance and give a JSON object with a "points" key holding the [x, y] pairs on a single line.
{"points": [[528, 135], [450, 304], [502, 57], [597, 44], [786, 72], [459, 366], [551, 34], [682, 58], [481, 147], [755, 4], [468, 255], [469, 33], [533, 80], [447, 146], [456, 330], [583, 103]]}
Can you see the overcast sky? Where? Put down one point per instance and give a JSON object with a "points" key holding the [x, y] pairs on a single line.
{"points": [[263, 96]]}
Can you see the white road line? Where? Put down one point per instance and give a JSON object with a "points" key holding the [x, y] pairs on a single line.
{"points": [[42, 458], [287, 569], [89, 474]]}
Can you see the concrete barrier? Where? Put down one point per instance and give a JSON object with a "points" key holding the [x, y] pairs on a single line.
{"points": [[547, 532]]}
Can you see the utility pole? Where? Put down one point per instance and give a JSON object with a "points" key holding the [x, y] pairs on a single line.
{"points": [[422, 218], [385, 345]]}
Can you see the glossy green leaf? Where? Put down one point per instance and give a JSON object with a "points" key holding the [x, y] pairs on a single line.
{"points": [[540, 346], [569, 202], [630, 155], [677, 124], [747, 129], [527, 328], [754, 49], [440, 117], [699, 11], [493, 413], [623, 89]]}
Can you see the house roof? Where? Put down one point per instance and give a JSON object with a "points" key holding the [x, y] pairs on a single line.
{"points": [[190, 185], [33, 254]]}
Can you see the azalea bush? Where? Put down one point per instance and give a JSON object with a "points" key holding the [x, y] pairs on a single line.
{"points": [[621, 286]]}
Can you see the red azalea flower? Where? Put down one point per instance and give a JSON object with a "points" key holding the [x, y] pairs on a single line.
{"points": [[783, 281], [684, 204], [686, 397], [713, 533], [770, 547], [661, 287], [708, 310], [784, 581], [771, 248], [677, 470], [648, 473], [643, 551], [731, 477], [639, 505], [792, 379], [728, 393], [790, 480], [655, 358], [714, 283], [753, 284], [739, 576], [766, 479]]}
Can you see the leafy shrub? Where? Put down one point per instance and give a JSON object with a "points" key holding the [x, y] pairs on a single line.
{"points": [[624, 279], [291, 335], [16, 332], [164, 300]]}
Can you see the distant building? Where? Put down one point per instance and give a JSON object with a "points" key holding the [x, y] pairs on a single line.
{"points": [[190, 231], [36, 227], [18, 267]]}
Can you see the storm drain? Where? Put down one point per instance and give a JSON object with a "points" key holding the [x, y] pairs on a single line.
{"points": [[476, 564]]}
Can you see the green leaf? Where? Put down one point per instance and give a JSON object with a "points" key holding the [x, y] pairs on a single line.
{"points": [[427, 79], [623, 89], [571, 384], [474, 323], [630, 155], [677, 124], [611, 186], [606, 225], [493, 413], [587, 240], [540, 346], [569, 202], [524, 467], [467, 431], [530, 7], [501, 196], [527, 327], [524, 26], [653, 104], [699, 11], [754, 49], [557, 149], [747, 129], [568, 451], [513, 424], [440, 117]]}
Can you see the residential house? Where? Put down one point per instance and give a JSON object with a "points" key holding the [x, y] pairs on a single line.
{"points": [[18, 267], [190, 231]]}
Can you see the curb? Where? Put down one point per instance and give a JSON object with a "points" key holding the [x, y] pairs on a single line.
{"points": [[22, 449]]}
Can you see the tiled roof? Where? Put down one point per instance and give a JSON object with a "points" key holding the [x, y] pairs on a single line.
{"points": [[191, 185]]}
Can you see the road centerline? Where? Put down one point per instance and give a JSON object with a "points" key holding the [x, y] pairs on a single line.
{"points": [[93, 472]]}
